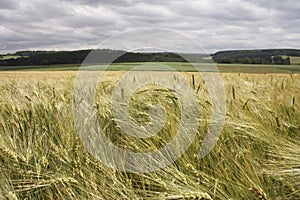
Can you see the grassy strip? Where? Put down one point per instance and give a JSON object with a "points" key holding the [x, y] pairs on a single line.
{"points": [[182, 67]]}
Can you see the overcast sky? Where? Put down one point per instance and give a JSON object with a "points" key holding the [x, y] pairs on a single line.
{"points": [[215, 24]]}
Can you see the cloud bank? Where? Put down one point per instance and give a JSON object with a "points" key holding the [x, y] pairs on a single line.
{"points": [[216, 25]]}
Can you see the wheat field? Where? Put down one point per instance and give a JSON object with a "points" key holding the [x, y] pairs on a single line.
{"points": [[256, 157]]}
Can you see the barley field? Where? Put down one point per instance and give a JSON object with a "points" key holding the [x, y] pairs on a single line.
{"points": [[256, 157]]}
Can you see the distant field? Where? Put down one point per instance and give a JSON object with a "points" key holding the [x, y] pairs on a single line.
{"points": [[295, 60], [10, 57], [178, 66]]}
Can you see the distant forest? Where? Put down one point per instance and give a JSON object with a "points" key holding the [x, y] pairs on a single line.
{"points": [[25, 58], [268, 56]]}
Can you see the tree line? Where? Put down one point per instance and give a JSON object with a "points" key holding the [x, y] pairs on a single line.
{"points": [[268, 56], [26, 58]]}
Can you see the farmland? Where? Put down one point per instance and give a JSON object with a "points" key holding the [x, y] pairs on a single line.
{"points": [[7, 57], [256, 157], [178, 66], [295, 60]]}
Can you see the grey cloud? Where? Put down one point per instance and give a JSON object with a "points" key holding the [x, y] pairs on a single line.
{"points": [[94, 3], [220, 24], [8, 4], [288, 9]]}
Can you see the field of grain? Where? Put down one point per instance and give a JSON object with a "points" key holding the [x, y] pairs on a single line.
{"points": [[7, 57], [256, 157], [295, 60]]}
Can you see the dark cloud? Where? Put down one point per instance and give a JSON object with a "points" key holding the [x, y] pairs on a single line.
{"points": [[9, 5], [93, 3], [219, 24]]}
